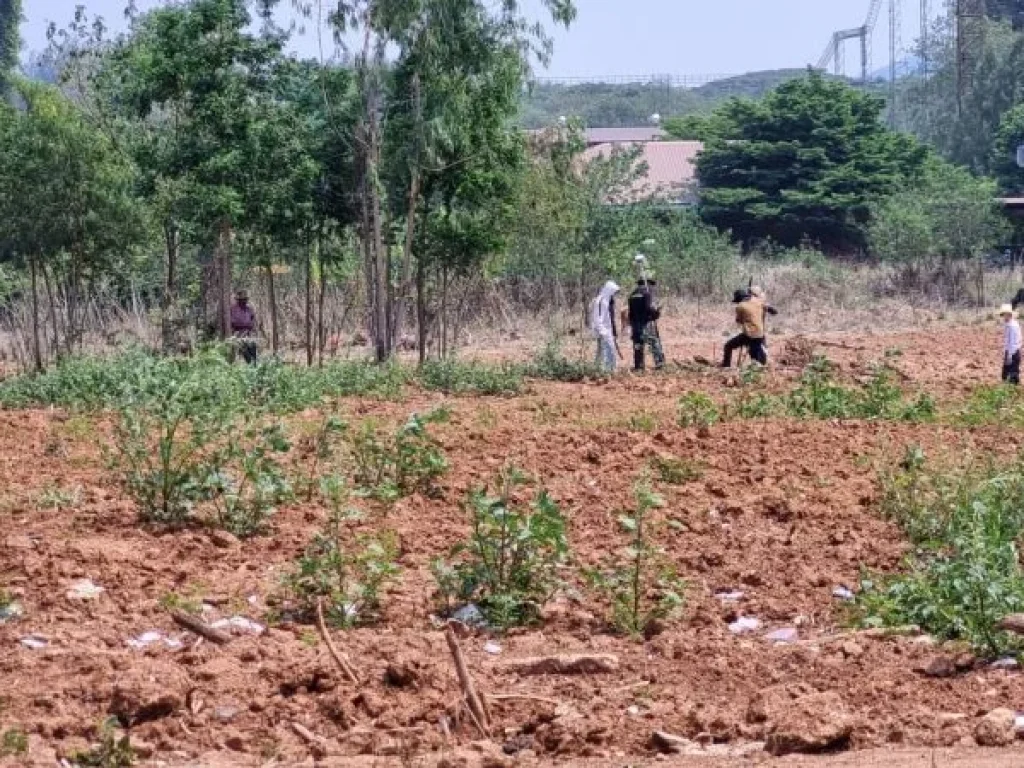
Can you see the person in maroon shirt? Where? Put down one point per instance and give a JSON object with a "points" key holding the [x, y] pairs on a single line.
{"points": [[243, 326]]}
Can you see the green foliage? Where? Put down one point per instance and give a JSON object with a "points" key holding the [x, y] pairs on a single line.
{"points": [[551, 364], [964, 575], [409, 460], [509, 566], [346, 571], [111, 752], [1010, 135], [805, 162], [456, 377], [10, 41], [13, 743], [676, 471], [821, 396], [991, 404], [641, 585], [643, 421], [696, 409], [318, 448], [941, 220]]}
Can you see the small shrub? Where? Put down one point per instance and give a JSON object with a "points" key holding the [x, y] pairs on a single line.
{"points": [[316, 449], [509, 566], [244, 479], [390, 466], [455, 377], [346, 570], [695, 409], [819, 395], [551, 364], [640, 584], [964, 575], [675, 471], [643, 421], [57, 498], [13, 743], [111, 752], [995, 404]]}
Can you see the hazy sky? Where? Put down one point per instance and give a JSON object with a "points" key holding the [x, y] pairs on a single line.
{"points": [[636, 37]]}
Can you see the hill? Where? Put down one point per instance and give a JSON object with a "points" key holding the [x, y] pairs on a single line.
{"points": [[614, 105]]}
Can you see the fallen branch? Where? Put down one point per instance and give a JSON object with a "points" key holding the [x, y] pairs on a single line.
{"points": [[1013, 623], [314, 741], [564, 665], [200, 627], [341, 661], [523, 697], [477, 710]]}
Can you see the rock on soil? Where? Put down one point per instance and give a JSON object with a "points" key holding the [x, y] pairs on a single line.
{"points": [[797, 719], [148, 693], [997, 728]]}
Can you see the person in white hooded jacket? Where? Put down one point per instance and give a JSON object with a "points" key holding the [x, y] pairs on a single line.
{"points": [[602, 323]]}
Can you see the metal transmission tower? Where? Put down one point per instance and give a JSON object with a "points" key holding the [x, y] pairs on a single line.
{"points": [[895, 24], [970, 40], [833, 54], [926, 13]]}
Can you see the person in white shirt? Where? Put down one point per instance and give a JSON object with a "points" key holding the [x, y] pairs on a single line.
{"points": [[1011, 344], [602, 323]]}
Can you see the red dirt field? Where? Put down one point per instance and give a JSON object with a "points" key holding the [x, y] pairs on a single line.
{"points": [[784, 512]]}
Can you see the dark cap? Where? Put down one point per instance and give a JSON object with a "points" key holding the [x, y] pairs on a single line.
{"points": [[739, 295]]}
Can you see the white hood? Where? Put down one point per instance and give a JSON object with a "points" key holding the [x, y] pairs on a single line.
{"points": [[600, 316]]}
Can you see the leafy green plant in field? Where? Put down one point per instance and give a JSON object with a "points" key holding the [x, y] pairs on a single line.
{"points": [[13, 743], [551, 364], [640, 584], [56, 497], [509, 566], [995, 404], [245, 479], [695, 409], [315, 450], [111, 752], [964, 574], [819, 395], [643, 421], [676, 471], [389, 466], [347, 571], [456, 377]]}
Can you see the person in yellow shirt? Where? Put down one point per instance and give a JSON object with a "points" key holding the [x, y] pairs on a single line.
{"points": [[751, 311]]}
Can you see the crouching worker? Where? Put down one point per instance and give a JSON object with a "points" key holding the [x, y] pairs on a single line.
{"points": [[643, 325], [602, 323], [751, 311], [243, 327], [1011, 344]]}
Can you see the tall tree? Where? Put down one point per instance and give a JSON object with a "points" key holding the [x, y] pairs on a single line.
{"points": [[805, 162], [10, 41], [1005, 161]]}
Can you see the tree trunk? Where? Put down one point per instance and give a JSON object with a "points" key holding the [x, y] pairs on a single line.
{"points": [[421, 311], [272, 298], [222, 258], [171, 321], [37, 350], [54, 316], [309, 302], [321, 331], [402, 304]]}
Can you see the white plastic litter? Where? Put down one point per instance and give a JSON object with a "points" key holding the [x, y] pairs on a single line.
{"points": [[842, 593], [745, 624], [34, 642], [730, 597], [1007, 663], [241, 624], [147, 639], [1018, 723], [785, 635], [492, 648], [84, 589]]}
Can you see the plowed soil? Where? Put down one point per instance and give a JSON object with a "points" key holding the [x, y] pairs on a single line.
{"points": [[784, 513]]}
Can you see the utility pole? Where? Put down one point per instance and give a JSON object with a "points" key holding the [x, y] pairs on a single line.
{"points": [[925, 23], [894, 26]]}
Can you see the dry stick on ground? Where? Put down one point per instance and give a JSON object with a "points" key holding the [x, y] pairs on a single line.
{"points": [[314, 741], [523, 697], [201, 628], [340, 660], [476, 706]]}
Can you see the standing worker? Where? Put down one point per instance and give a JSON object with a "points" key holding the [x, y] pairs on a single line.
{"points": [[243, 326], [1011, 345], [751, 312], [602, 322], [643, 319]]}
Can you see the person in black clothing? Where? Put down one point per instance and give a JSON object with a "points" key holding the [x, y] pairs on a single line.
{"points": [[1017, 300], [643, 325]]}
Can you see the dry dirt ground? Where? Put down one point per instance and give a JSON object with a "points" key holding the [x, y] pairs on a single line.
{"points": [[784, 513]]}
